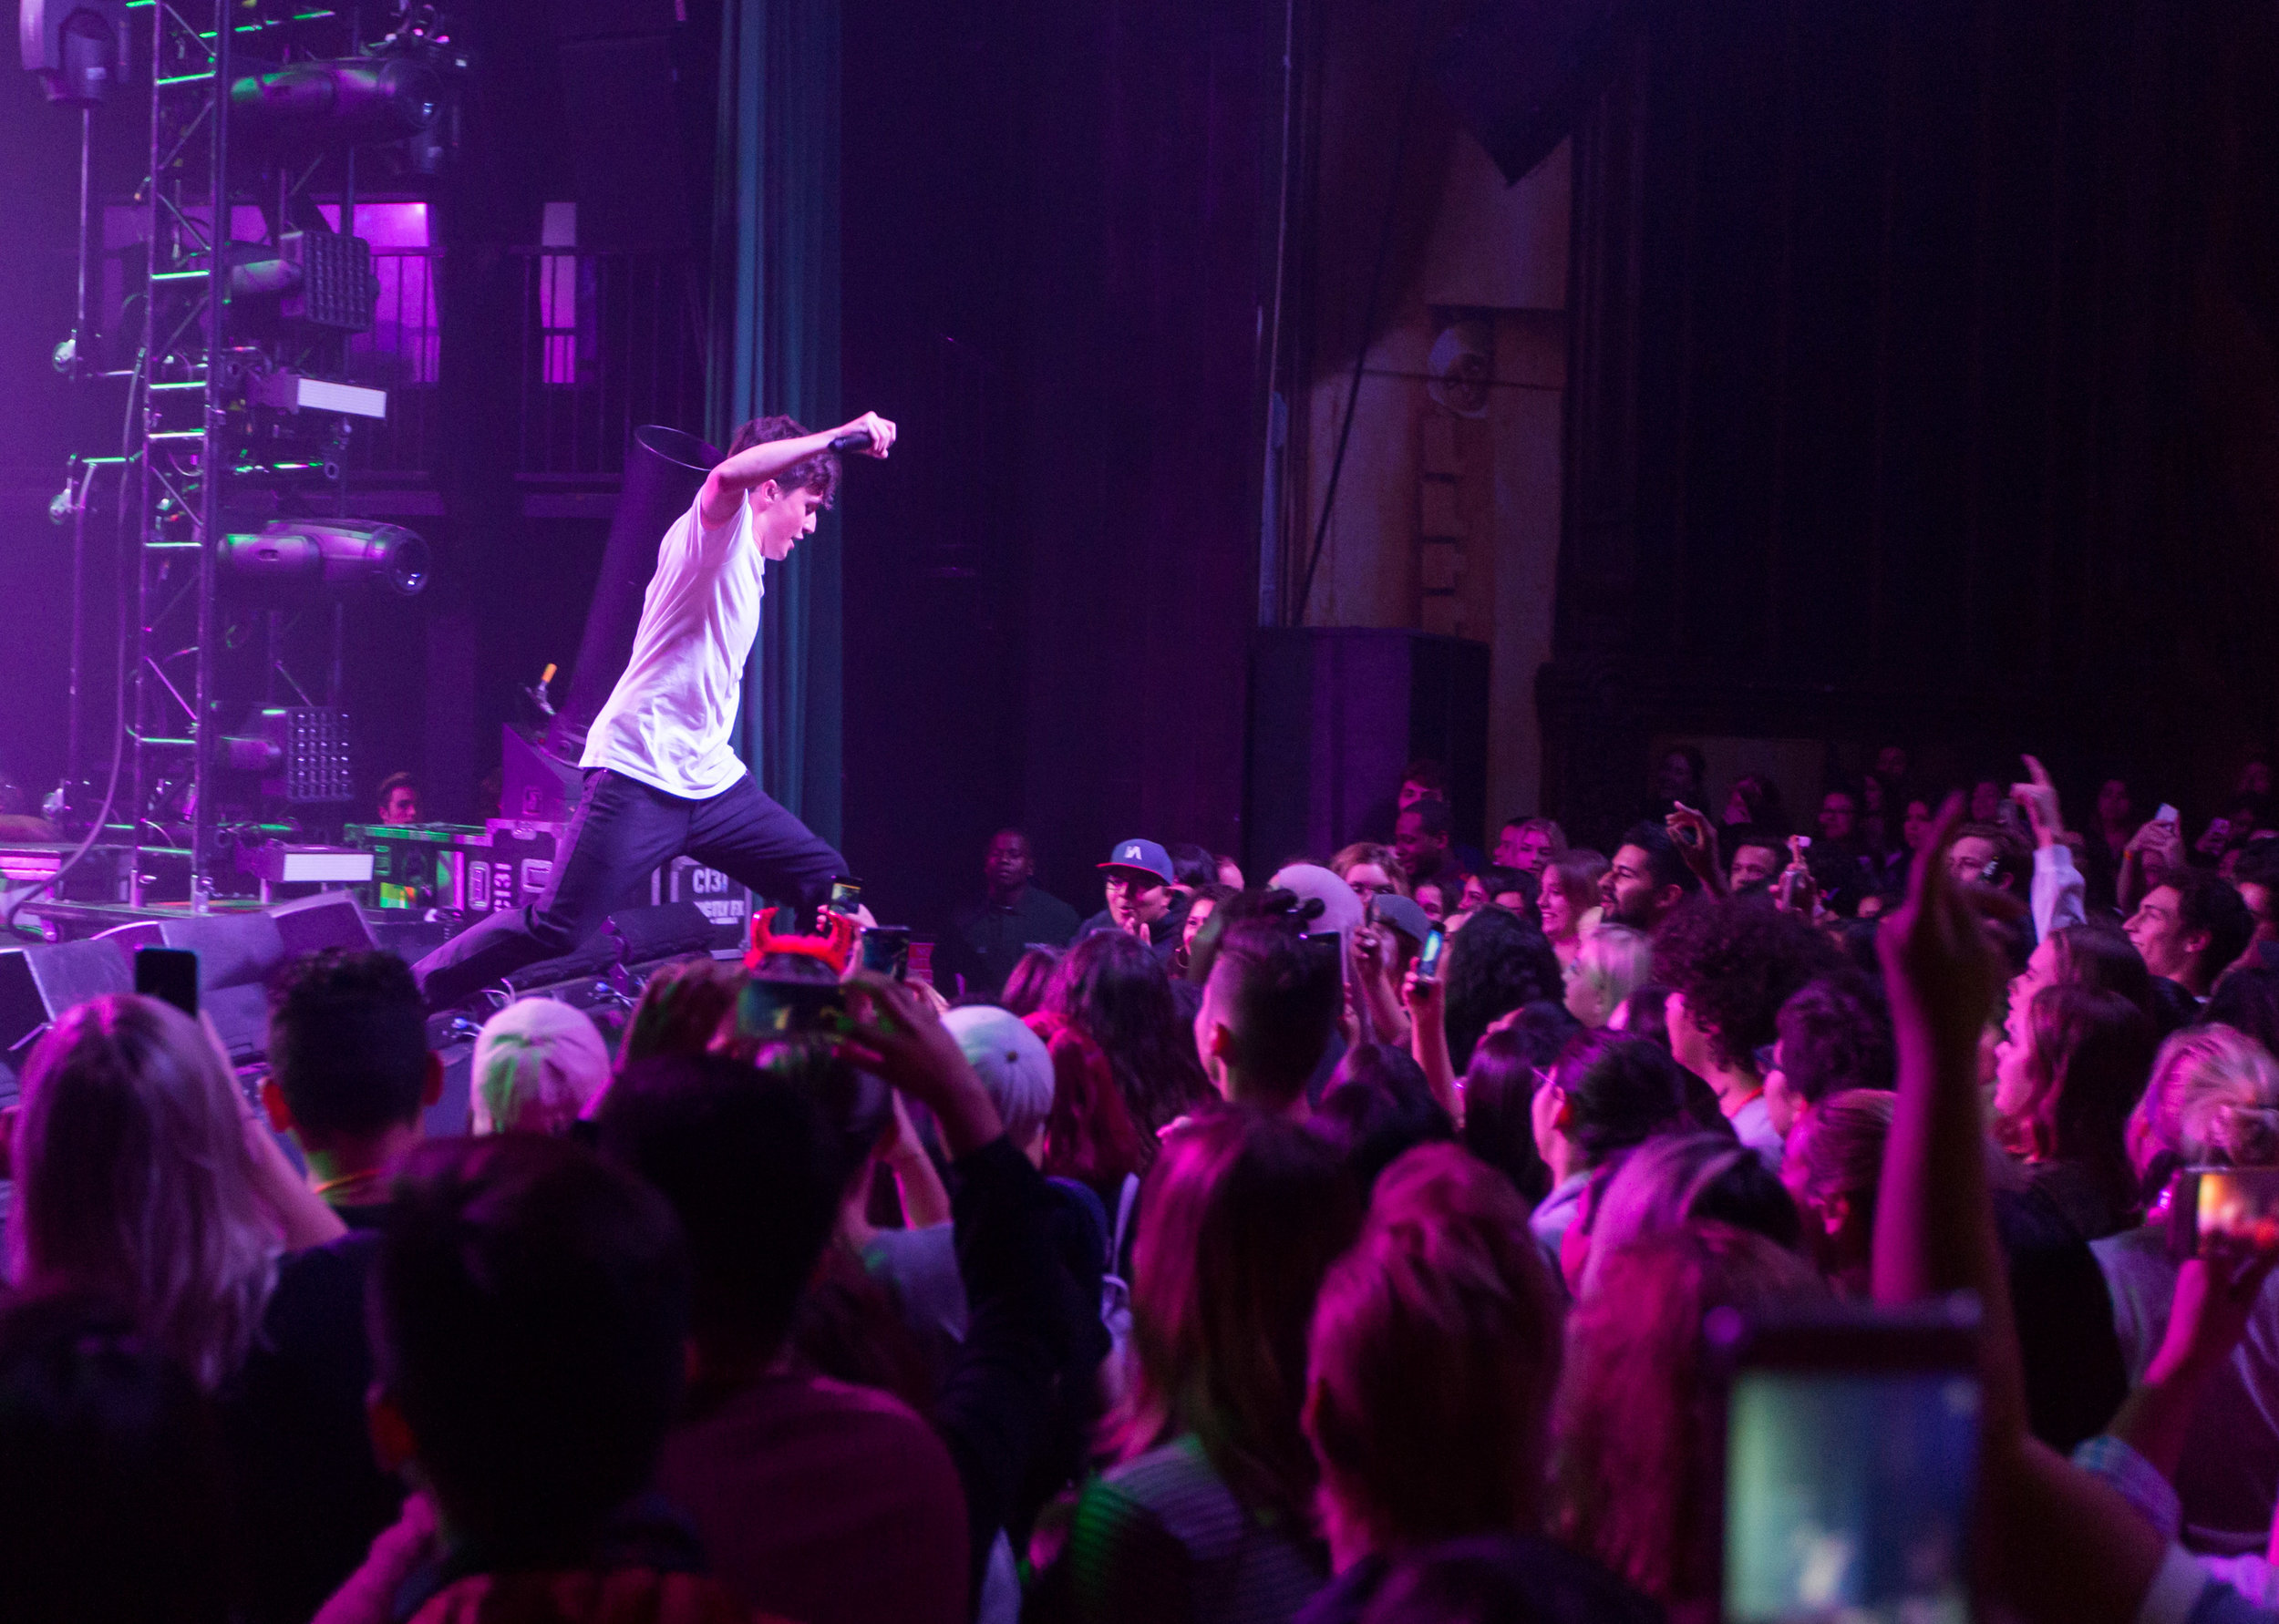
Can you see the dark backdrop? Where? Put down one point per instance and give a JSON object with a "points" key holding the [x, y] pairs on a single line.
{"points": [[1924, 385], [1057, 236]]}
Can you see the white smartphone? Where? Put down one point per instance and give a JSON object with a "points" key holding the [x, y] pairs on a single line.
{"points": [[2167, 814]]}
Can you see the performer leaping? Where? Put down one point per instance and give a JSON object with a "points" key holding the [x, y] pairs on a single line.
{"points": [[660, 778]]}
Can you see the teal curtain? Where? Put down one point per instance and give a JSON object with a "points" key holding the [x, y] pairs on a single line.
{"points": [[775, 348]]}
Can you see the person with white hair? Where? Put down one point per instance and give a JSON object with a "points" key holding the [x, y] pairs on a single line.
{"points": [[2213, 1100], [538, 1062]]}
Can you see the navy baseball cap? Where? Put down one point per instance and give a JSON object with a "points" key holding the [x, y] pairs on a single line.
{"points": [[1143, 855]]}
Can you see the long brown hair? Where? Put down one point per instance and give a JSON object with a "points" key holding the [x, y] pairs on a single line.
{"points": [[1634, 1410], [1434, 1356], [133, 1181], [1242, 1217], [2091, 1056]]}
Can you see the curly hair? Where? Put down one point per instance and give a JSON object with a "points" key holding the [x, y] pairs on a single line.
{"points": [[1496, 963], [1736, 963]]}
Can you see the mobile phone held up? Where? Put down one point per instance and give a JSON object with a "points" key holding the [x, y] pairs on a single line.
{"points": [[2214, 1209], [1850, 1462], [1428, 957], [886, 950], [168, 975]]}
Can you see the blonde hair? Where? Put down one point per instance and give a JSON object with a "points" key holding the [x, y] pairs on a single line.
{"points": [[133, 1180], [2213, 1097], [1368, 851], [1616, 959]]}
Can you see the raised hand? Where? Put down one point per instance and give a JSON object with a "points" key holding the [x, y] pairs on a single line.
{"points": [[2038, 798], [879, 429]]}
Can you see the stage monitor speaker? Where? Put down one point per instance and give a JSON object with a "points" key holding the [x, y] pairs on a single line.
{"points": [[1336, 712], [327, 920], [38, 984], [1519, 73]]}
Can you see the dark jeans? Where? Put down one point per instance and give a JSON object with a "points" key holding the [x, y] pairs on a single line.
{"points": [[624, 830]]}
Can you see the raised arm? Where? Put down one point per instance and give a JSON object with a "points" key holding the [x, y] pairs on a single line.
{"points": [[754, 465], [2057, 1544]]}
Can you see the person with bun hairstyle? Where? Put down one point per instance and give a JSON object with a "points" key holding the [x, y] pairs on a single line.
{"points": [[2213, 1101], [1606, 1093]]}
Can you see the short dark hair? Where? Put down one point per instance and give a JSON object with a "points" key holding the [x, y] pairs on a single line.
{"points": [[530, 1302], [1622, 1090], [751, 1163], [1427, 771], [391, 784], [819, 473], [348, 1041], [1431, 814], [2205, 902], [1737, 961], [1665, 862], [1193, 866], [1282, 992], [1836, 1034]]}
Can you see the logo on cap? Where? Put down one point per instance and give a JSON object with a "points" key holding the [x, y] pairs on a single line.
{"points": [[1131, 854]]}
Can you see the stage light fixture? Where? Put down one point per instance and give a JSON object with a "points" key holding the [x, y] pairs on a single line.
{"points": [[295, 557], [362, 99], [78, 47]]}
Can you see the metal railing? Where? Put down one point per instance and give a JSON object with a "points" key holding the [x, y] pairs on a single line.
{"points": [[606, 341]]}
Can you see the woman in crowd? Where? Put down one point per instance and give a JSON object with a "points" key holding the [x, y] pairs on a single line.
{"points": [[1499, 1094], [2090, 955], [1612, 962], [1631, 1485], [2068, 1073], [1445, 1279], [1110, 988], [2214, 1099], [1372, 870], [1606, 1093], [141, 1178], [1208, 1513], [1568, 899], [1831, 1163]]}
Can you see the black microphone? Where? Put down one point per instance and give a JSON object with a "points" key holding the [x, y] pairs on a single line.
{"points": [[858, 441]]}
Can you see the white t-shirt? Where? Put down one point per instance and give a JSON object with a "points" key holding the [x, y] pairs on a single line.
{"points": [[668, 720]]}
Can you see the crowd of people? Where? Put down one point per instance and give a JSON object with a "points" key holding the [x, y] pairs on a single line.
{"points": [[1346, 1244]]}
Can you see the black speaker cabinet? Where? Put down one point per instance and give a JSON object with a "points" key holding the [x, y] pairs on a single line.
{"points": [[1336, 712]]}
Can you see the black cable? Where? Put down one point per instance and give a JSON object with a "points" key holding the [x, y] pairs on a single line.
{"points": [[1369, 312]]}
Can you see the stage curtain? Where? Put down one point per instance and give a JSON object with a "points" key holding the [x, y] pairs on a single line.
{"points": [[775, 348]]}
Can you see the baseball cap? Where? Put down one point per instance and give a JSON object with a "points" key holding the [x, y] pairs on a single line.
{"points": [[1404, 916], [1143, 855], [1012, 1062]]}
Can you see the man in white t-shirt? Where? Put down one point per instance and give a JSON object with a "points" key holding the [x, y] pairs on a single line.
{"points": [[661, 779]]}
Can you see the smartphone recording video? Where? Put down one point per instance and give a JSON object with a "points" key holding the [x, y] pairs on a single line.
{"points": [[168, 975], [886, 950], [1850, 1464], [2212, 1208], [1429, 956]]}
